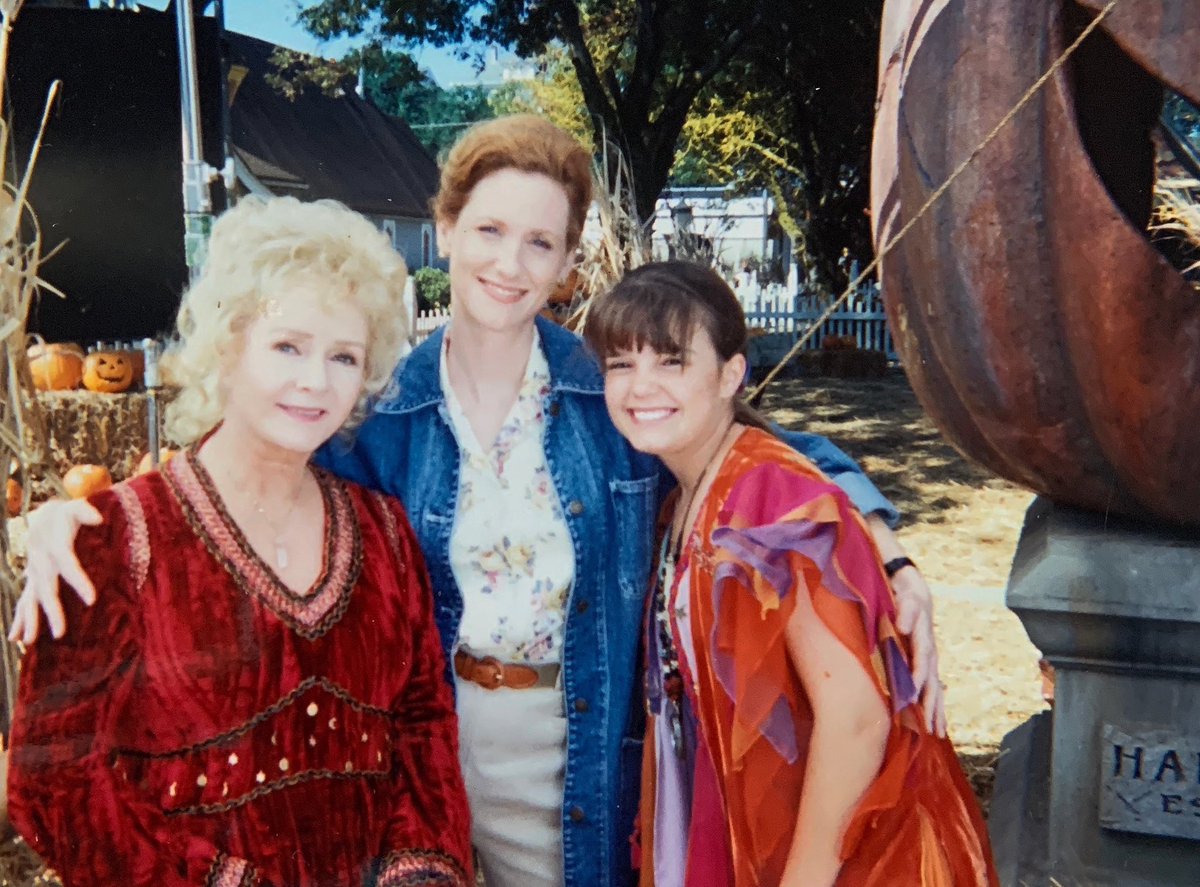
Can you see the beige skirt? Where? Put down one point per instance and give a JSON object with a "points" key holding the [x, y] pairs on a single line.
{"points": [[513, 748]]}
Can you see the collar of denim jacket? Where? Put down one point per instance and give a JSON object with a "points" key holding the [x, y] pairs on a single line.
{"points": [[572, 369]]}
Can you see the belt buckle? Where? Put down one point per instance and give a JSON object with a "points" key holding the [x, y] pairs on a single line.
{"points": [[497, 676]]}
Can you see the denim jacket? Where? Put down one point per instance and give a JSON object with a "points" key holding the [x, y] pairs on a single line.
{"points": [[610, 496]]}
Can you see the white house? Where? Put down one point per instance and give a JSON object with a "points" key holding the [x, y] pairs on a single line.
{"points": [[738, 231]]}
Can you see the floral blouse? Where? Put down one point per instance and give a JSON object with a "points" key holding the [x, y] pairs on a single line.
{"points": [[510, 550]]}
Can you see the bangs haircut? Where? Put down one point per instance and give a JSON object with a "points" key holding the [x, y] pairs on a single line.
{"points": [[662, 305]]}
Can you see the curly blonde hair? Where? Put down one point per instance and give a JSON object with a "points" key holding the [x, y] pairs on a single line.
{"points": [[256, 249]]}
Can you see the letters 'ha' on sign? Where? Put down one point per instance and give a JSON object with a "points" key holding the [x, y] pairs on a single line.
{"points": [[1150, 781]]}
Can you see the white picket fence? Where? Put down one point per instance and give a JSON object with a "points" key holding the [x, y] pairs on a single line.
{"points": [[790, 315], [787, 315], [426, 322]]}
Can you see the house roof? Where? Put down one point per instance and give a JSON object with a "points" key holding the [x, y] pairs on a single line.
{"points": [[320, 146]]}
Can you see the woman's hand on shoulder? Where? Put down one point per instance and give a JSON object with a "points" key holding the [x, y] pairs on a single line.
{"points": [[50, 556], [914, 617]]}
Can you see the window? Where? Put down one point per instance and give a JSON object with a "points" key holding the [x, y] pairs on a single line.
{"points": [[388, 227], [426, 244]]}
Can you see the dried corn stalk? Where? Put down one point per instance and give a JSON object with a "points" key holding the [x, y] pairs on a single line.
{"points": [[22, 430], [1177, 221], [615, 242]]}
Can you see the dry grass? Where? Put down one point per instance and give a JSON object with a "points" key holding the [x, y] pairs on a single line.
{"points": [[614, 241]]}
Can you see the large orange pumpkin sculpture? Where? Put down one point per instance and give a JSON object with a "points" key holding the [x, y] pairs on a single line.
{"points": [[83, 480], [57, 366], [1039, 326], [108, 372]]}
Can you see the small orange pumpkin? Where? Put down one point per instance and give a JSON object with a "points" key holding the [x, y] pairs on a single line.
{"points": [[14, 494], [83, 480], [57, 366], [164, 456], [108, 372]]}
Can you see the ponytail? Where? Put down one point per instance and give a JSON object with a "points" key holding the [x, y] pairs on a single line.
{"points": [[747, 415]]}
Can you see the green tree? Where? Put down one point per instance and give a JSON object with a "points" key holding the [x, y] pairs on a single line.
{"points": [[796, 118], [437, 115], [782, 101], [640, 64], [395, 83], [555, 94]]}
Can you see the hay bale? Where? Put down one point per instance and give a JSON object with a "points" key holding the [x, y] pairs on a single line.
{"points": [[99, 429], [856, 364], [20, 866]]}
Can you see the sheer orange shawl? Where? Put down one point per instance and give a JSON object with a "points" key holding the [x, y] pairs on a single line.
{"points": [[773, 527]]}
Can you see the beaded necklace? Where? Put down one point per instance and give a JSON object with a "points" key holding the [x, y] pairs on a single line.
{"points": [[668, 658]]}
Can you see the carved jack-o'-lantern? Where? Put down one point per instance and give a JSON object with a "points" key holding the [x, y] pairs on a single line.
{"points": [[107, 371], [83, 480], [1041, 329], [57, 366]]}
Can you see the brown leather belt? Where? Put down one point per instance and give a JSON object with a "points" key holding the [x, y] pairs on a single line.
{"points": [[490, 673]]}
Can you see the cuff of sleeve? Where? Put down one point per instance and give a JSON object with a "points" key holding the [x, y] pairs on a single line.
{"points": [[867, 499], [425, 867], [229, 871]]}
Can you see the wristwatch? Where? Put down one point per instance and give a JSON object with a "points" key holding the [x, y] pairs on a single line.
{"points": [[896, 564]]}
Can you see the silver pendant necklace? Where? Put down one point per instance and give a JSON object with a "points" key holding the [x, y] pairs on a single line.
{"points": [[279, 530]]}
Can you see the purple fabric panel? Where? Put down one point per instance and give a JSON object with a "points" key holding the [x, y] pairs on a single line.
{"points": [[779, 728], [766, 549], [900, 678], [672, 809]]}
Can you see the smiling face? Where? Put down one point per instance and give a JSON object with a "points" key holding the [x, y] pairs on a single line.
{"points": [[674, 405], [299, 373], [507, 249], [107, 371]]}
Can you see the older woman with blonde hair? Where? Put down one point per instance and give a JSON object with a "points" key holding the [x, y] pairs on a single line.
{"points": [[222, 713]]}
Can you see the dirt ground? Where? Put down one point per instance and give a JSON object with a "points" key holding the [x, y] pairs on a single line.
{"points": [[960, 525]]}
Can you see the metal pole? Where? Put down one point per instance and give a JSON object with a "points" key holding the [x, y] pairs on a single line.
{"points": [[150, 351], [197, 202]]}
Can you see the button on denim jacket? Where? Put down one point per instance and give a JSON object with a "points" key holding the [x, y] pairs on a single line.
{"points": [[610, 496]]}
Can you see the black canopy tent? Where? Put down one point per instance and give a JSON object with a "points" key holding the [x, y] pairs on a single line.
{"points": [[108, 179]]}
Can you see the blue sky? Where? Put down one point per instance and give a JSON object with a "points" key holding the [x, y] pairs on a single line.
{"points": [[275, 20]]}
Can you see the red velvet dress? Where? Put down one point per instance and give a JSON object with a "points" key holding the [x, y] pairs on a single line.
{"points": [[201, 724]]}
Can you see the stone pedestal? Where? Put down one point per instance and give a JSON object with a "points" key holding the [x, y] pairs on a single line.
{"points": [[1115, 607]]}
